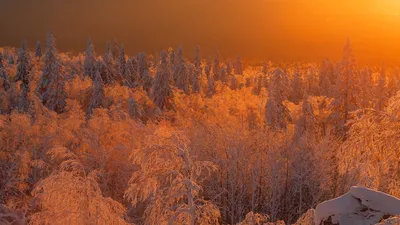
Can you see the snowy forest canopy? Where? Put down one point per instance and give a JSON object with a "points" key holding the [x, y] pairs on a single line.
{"points": [[161, 139]]}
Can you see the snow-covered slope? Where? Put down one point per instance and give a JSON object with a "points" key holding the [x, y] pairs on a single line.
{"points": [[359, 206]]}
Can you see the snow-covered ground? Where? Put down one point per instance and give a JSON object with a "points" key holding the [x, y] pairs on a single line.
{"points": [[360, 206]]}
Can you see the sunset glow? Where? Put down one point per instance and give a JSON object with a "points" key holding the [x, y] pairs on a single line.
{"points": [[200, 112]]}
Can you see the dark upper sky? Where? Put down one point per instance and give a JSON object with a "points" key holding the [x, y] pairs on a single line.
{"points": [[258, 29]]}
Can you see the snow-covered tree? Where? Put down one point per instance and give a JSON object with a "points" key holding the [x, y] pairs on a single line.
{"points": [[234, 83], [122, 59], [24, 67], [229, 67], [89, 64], [217, 66], [346, 87], [211, 89], [239, 65], [196, 81], [223, 76], [296, 87], [148, 82], [97, 98], [11, 60], [162, 91], [134, 109], [381, 94], [307, 121], [197, 58], [1, 60], [328, 70], [115, 50], [366, 88], [169, 180], [182, 80], [142, 64], [51, 87], [5, 82], [38, 51], [265, 68], [277, 115]]}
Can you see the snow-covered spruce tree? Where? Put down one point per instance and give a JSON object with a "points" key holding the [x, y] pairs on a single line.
{"points": [[258, 87], [122, 60], [296, 87], [1, 60], [328, 70], [234, 83], [11, 59], [134, 109], [89, 65], [381, 93], [207, 69], [325, 85], [97, 98], [197, 58], [115, 50], [182, 80], [38, 50], [110, 65], [346, 87], [104, 73], [366, 88], [4, 80], [171, 56], [163, 96], [305, 124], [277, 115], [24, 67], [229, 68], [265, 68], [51, 87], [142, 64], [239, 65], [211, 89], [196, 82], [148, 82], [393, 84], [217, 66]]}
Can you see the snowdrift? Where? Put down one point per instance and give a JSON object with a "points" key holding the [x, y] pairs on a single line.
{"points": [[360, 205]]}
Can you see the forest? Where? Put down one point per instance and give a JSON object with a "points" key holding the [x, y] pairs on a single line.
{"points": [[180, 138]]}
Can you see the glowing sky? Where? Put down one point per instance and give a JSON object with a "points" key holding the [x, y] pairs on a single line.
{"points": [[278, 30]]}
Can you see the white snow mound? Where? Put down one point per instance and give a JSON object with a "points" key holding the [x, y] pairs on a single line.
{"points": [[360, 205]]}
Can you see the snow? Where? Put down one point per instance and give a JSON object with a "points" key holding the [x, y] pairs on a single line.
{"points": [[359, 206]]}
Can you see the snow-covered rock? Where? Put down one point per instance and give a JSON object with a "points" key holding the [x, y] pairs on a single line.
{"points": [[360, 205]]}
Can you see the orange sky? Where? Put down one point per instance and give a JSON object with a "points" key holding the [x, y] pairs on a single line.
{"points": [[277, 30]]}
